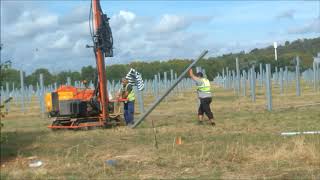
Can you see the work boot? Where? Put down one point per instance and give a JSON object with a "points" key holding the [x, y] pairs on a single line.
{"points": [[212, 122]]}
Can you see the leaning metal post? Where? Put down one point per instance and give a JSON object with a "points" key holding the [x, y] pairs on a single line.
{"points": [[155, 104]]}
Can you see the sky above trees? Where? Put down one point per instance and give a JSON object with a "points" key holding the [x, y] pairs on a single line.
{"points": [[53, 34]]}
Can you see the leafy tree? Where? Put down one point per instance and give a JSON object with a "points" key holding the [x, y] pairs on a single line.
{"points": [[305, 48], [287, 43], [88, 73], [34, 78], [10, 75], [75, 76], [117, 71]]}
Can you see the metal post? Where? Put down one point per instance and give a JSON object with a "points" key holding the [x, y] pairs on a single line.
{"points": [[318, 74], [165, 82], [298, 90], [223, 78], [204, 73], [249, 79], [68, 81], [156, 88], [140, 98], [113, 87], [22, 91], [30, 93], [154, 105], [7, 96], [261, 75], [253, 85], [286, 77], [238, 76], [244, 84], [315, 77], [234, 81], [268, 87], [175, 78], [198, 69], [41, 97], [14, 94], [276, 75], [2, 94], [281, 81], [223, 73], [159, 83], [227, 79], [171, 77]]}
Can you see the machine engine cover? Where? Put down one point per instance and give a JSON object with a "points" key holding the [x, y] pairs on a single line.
{"points": [[77, 108], [81, 108], [65, 107]]}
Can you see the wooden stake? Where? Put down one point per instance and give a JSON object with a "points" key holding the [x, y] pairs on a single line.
{"points": [[155, 135]]}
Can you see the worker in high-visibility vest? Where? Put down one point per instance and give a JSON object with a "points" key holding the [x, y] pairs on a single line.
{"points": [[204, 95], [126, 91]]}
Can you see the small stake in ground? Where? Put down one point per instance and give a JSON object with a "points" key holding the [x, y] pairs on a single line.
{"points": [[178, 140], [155, 135]]}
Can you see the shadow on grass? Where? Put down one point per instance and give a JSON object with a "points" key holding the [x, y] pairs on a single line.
{"points": [[17, 143]]}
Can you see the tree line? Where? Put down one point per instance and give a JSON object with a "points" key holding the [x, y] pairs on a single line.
{"points": [[306, 49]]}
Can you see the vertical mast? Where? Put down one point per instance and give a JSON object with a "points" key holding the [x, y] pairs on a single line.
{"points": [[100, 62]]}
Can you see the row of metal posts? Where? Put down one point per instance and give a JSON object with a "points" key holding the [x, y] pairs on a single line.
{"points": [[281, 78], [153, 87], [22, 96], [229, 79]]}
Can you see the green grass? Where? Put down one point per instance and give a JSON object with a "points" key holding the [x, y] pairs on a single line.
{"points": [[246, 143]]}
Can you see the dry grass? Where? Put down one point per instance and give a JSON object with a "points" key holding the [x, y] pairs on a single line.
{"points": [[246, 144]]}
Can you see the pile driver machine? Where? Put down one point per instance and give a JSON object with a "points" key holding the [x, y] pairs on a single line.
{"points": [[70, 107]]}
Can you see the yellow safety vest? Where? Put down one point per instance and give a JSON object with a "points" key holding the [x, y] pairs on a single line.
{"points": [[131, 96], [205, 86]]}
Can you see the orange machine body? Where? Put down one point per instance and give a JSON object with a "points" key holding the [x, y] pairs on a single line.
{"points": [[69, 93]]}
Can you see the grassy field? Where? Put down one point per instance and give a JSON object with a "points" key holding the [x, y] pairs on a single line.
{"points": [[245, 144]]}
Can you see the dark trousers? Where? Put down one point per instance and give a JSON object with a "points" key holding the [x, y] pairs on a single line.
{"points": [[205, 107], [129, 112]]}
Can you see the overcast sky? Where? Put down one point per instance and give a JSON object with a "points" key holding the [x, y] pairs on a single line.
{"points": [[53, 34]]}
